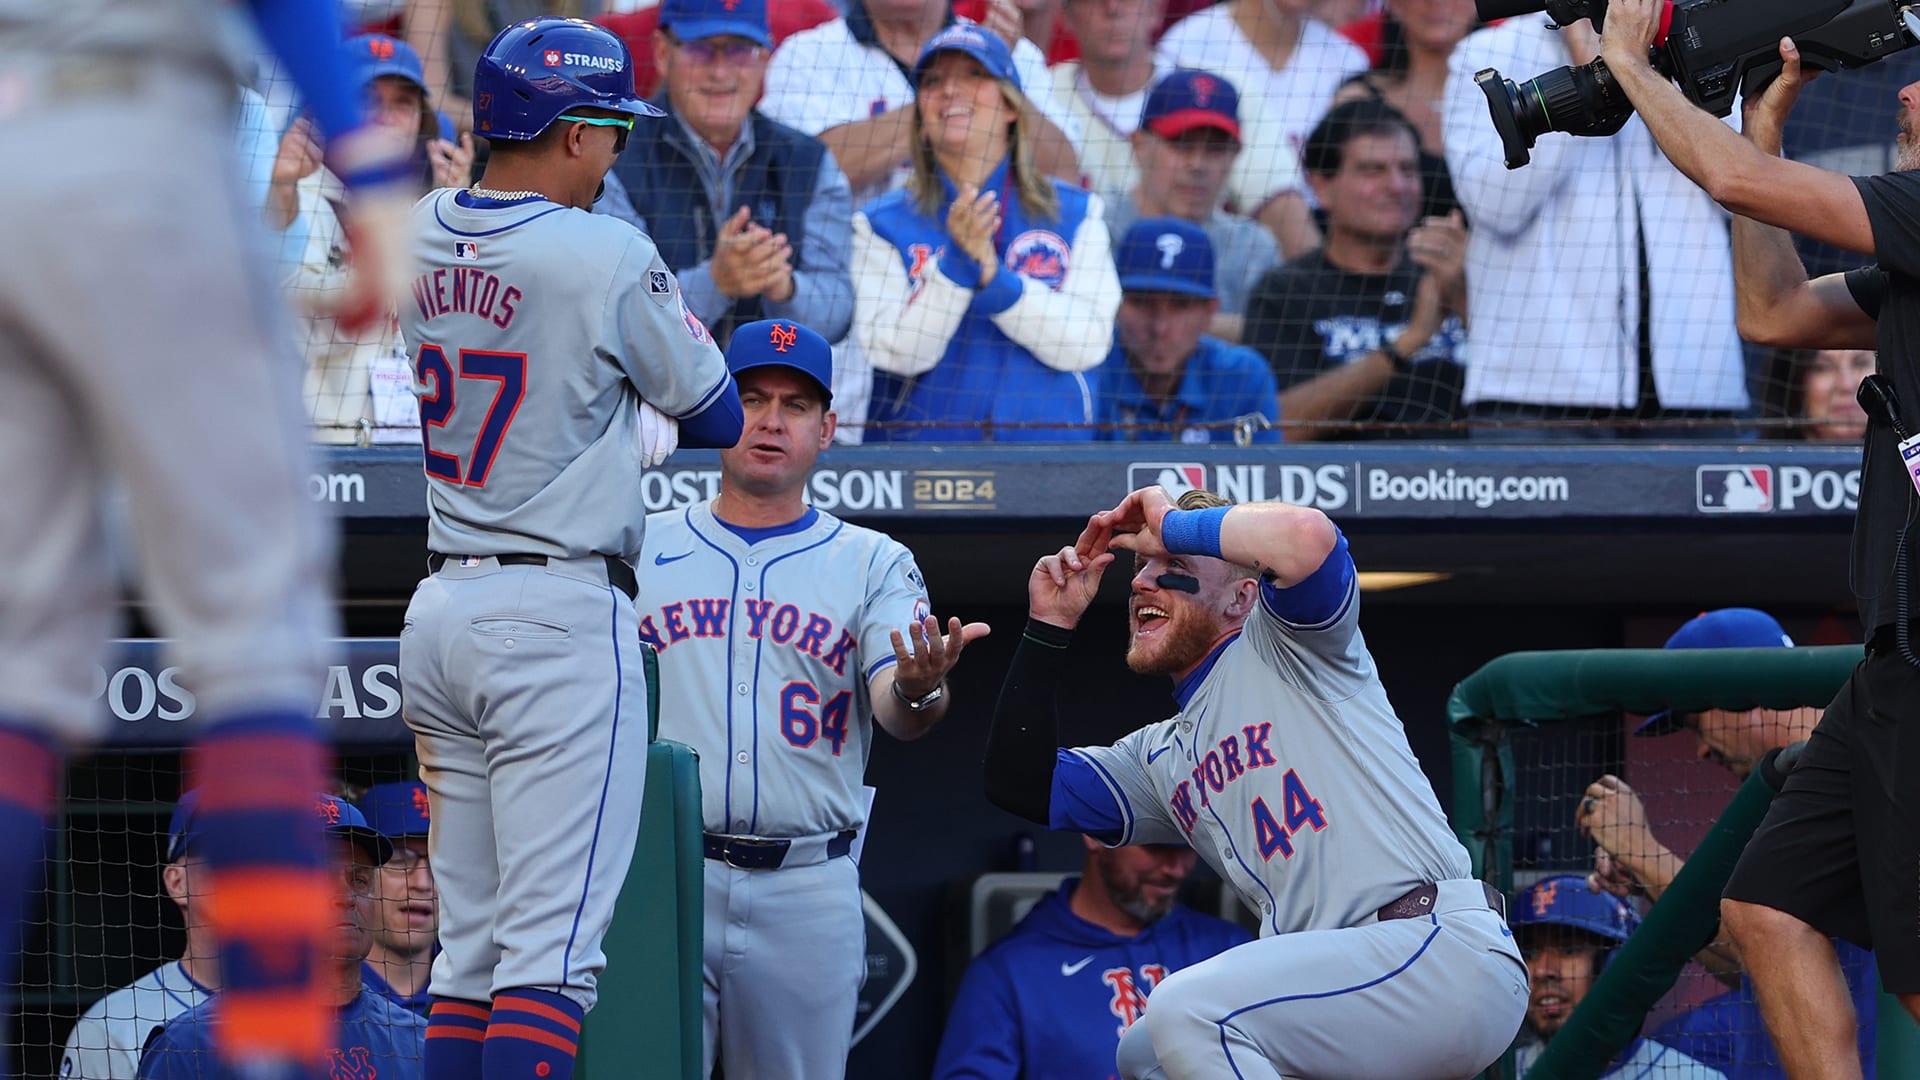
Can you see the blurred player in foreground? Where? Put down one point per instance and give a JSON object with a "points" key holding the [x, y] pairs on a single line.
{"points": [[141, 352]]}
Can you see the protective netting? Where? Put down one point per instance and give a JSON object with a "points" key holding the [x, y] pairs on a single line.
{"points": [[1331, 249], [1594, 805], [115, 909]]}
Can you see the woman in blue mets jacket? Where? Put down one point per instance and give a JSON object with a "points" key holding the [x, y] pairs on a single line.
{"points": [[984, 290]]}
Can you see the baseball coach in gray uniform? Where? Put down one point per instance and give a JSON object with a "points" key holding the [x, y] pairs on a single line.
{"points": [[1287, 770], [784, 635]]}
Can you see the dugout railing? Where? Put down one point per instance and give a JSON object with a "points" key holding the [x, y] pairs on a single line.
{"points": [[1550, 693]]}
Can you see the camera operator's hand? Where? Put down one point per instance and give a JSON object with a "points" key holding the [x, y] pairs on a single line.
{"points": [[1628, 36], [1764, 115]]}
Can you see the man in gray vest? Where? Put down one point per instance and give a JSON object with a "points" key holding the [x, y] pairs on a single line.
{"points": [[753, 216]]}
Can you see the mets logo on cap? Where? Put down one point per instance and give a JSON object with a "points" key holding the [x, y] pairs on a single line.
{"points": [[420, 804], [1040, 255], [381, 48], [782, 337], [328, 811]]}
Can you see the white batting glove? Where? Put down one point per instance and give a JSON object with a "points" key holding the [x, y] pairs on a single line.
{"points": [[657, 436]]}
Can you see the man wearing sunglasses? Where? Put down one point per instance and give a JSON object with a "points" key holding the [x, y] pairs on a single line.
{"points": [[753, 216]]}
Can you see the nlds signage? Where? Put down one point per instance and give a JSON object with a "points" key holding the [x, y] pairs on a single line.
{"points": [[1325, 487]]}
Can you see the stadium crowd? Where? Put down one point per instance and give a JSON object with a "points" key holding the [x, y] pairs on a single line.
{"points": [[1366, 241]]}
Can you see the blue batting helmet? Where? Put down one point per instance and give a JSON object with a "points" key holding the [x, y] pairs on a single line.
{"points": [[1565, 900], [533, 71]]}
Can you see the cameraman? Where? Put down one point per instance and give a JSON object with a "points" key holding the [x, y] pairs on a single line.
{"points": [[1836, 855]]}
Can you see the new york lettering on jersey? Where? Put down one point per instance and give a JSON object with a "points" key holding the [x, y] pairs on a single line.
{"points": [[794, 622]]}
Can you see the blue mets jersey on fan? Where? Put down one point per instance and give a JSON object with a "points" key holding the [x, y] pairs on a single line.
{"points": [[371, 978], [535, 330], [1319, 816], [376, 1040], [768, 638], [1050, 1000]]}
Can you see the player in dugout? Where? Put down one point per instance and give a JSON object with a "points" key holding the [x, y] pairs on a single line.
{"points": [[1288, 771]]}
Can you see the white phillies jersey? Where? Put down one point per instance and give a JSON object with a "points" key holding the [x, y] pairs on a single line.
{"points": [[766, 649], [1288, 771], [106, 1041], [535, 328]]}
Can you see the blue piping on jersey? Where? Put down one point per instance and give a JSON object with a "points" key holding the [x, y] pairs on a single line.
{"points": [[606, 782], [1269, 601], [754, 535], [1222, 1022], [880, 665], [733, 617], [490, 232], [1183, 690], [1233, 849], [191, 981]]}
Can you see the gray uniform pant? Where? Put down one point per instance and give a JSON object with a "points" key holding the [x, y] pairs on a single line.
{"points": [[526, 693], [1433, 998], [785, 954], [142, 350]]}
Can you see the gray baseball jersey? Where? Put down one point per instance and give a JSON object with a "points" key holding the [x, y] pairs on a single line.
{"points": [[768, 639], [105, 1042], [766, 648], [1288, 771], [532, 328]]}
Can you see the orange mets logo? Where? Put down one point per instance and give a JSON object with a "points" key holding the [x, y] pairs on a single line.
{"points": [[783, 337], [328, 810], [381, 48], [353, 1063], [1040, 255], [1543, 899], [420, 802]]}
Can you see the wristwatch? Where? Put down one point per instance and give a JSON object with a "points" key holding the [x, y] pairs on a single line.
{"points": [[923, 704]]}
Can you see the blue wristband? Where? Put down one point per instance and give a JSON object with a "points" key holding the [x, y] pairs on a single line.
{"points": [[1193, 532]]}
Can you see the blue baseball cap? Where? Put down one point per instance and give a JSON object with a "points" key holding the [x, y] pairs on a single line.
{"points": [[692, 20], [1166, 255], [1724, 628], [397, 810], [1565, 900], [1187, 99], [375, 55], [782, 343], [976, 41], [338, 816]]}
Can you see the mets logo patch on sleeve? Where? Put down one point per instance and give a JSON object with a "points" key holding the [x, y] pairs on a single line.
{"points": [[1040, 255], [695, 328]]}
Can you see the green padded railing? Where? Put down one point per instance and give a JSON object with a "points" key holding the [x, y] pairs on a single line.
{"points": [[1531, 688], [647, 1024]]}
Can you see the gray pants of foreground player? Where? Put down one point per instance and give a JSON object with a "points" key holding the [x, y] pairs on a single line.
{"points": [[1434, 998], [786, 952], [141, 350], [527, 698]]}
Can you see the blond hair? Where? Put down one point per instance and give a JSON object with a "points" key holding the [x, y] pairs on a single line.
{"points": [[1037, 198]]}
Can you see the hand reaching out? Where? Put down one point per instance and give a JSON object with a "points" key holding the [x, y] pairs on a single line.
{"points": [[919, 669]]}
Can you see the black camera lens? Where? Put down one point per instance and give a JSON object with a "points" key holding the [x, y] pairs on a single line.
{"points": [[1577, 100]]}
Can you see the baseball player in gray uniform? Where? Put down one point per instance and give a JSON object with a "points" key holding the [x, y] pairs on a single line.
{"points": [[1287, 770], [784, 633], [540, 332], [142, 352]]}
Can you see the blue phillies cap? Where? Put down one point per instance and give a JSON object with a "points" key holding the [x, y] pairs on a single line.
{"points": [[976, 41], [1724, 628], [338, 816], [397, 810], [375, 55], [1187, 99], [692, 20], [1166, 255], [782, 343]]}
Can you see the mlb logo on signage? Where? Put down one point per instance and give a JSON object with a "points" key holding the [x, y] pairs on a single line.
{"points": [[1175, 476], [466, 249], [1734, 489], [553, 57]]}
